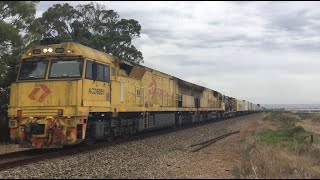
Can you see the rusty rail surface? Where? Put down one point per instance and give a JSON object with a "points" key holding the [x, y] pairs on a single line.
{"points": [[211, 141]]}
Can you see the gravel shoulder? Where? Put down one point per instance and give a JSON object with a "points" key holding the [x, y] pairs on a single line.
{"points": [[10, 148], [164, 156]]}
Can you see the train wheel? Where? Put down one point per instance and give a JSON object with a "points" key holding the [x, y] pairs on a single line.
{"points": [[90, 141], [111, 137], [126, 135]]}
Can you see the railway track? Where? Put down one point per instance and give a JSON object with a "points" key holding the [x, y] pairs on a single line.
{"points": [[15, 159], [19, 158]]}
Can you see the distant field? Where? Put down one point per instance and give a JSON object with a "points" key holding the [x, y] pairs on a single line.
{"points": [[304, 110], [296, 110], [291, 106]]}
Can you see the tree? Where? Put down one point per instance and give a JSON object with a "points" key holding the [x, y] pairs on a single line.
{"points": [[15, 18], [94, 26]]}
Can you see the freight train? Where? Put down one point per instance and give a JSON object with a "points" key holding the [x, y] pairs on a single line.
{"points": [[68, 93]]}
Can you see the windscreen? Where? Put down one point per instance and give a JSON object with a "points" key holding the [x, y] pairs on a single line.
{"points": [[33, 70], [65, 68]]}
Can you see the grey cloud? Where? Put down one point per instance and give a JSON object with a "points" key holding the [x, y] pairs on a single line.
{"points": [[265, 52], [295, 21]]}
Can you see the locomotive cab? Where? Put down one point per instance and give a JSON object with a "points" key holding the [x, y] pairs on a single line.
{"points": [[56, 88]]}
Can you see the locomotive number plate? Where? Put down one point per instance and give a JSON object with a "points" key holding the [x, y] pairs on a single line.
{"points": [[96, 91]]}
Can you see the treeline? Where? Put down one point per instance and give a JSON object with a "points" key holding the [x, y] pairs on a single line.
{"points": [[92, 25]]}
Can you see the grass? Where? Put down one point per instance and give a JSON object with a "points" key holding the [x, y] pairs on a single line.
{"points": [[294, 138], [284, 153], [304, 116], [312, 116], [278, 115], [263, 161], [281, 119], [288, 135]]}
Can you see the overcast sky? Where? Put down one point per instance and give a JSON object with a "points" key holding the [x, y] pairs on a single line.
{"points": [[263, 52]]}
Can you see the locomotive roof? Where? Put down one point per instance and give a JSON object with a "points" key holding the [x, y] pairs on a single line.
{"points": [[71, 49]]}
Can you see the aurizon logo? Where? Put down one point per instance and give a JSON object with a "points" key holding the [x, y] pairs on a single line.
{"points": [[37, 89]]}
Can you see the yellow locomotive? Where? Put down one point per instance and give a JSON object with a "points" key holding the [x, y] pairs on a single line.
{"points": [[67, 93]]}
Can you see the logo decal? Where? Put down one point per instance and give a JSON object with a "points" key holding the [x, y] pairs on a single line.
{"points": [[36, 90], [153, 87]]}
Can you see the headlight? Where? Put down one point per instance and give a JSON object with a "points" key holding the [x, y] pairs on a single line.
{"points": [[50, 50], [45, 50]]}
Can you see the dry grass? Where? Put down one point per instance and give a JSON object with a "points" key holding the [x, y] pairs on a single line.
{"points": [[313, 116], [281, 119], [311, 126], [262, 161], [285, 153]]}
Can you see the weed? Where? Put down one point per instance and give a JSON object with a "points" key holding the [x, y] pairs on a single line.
{"points": [[275, 162], [293, 138], [281, 119], [284, 153]]}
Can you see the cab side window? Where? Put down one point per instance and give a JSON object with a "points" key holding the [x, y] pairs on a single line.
{"points": [[89, 74], [97, 71], [107, 73], [100, 72], [112, 71]]}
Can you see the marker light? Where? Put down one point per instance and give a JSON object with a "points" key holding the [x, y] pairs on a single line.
{"points": [[36, 51], [59, 50]]}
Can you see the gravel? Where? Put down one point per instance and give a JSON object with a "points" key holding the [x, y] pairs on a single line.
{"points": [[165, 156], [10, 148]]}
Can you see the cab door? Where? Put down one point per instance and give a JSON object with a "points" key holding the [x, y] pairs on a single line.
{"points": [[96, 85]]}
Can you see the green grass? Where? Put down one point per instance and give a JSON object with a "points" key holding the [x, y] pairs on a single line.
{"points": [[294, 138]]}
